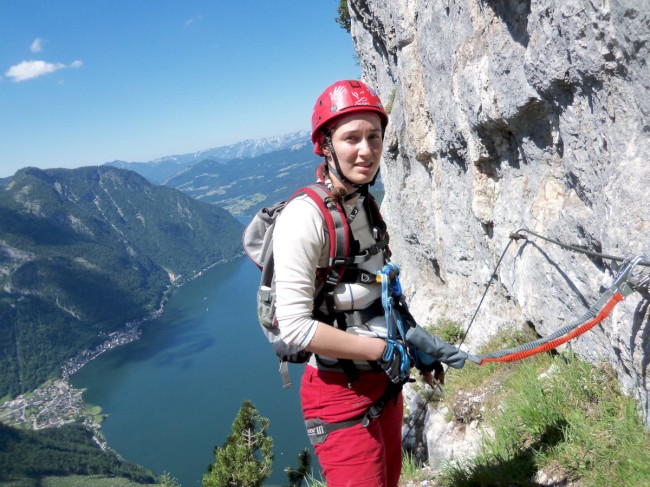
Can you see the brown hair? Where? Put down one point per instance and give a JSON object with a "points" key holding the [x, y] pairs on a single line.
{"points": [[324, 175]]}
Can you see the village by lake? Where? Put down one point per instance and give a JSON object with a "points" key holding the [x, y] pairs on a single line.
{"points": [[56, 402]]}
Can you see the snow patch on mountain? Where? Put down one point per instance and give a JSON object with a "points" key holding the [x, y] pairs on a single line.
{"points": [[244, 149]]}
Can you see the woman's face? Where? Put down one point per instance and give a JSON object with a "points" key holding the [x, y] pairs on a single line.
{"points": [[358, 143]]}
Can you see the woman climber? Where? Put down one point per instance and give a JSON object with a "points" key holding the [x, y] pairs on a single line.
{"points": [[351, 387]]}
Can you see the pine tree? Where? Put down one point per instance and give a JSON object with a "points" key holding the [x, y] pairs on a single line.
{"points": [[246, 458], [296, 477], [344, 15], [166, 480]]}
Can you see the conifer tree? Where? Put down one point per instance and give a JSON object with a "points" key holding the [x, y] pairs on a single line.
{"points": [[166, 480], [344, 15], [246, 458], [296, 477]]}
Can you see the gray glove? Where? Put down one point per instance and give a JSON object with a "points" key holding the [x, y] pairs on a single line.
{"points": [[437, 348]]}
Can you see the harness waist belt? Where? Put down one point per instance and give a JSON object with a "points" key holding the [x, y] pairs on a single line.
{"points": [[318, 430]]}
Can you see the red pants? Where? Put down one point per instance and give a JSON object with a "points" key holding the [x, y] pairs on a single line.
{"points": [[354, 456]]}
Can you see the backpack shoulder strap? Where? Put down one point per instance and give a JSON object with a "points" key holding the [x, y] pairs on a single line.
{"points": [[335, 221], [340, 237]]}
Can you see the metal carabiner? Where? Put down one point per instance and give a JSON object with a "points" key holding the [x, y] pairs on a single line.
{"points": [[639, 280], [624, 281]]}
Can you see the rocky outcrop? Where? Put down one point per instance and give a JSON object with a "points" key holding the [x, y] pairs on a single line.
{"points": [[510, 114]]}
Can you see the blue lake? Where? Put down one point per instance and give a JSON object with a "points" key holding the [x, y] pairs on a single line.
{"points": [[172, 395]]}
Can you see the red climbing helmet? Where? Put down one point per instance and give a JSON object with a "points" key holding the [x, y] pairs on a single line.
{"points": [[342, 98]]}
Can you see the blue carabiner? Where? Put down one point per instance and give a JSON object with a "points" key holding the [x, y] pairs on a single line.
{"points": [[391, 289]]}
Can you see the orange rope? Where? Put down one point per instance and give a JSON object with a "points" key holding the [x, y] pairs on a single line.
{"points": [[617, 298]]}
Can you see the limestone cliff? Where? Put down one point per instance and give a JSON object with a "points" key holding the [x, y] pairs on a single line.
{"points": [[509, 114]]}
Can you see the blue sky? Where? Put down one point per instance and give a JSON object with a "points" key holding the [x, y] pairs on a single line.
{"points": [[89, 81]]}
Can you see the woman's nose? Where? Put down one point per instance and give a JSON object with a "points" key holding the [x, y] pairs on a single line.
{"points": [[364, 146]]}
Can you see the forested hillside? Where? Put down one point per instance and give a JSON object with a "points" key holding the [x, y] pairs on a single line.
{"points": [[243, 186], [84, 251], [69, 450]]}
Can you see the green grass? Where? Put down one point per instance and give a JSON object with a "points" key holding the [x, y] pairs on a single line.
{"points": [[73, 481], [449, 330], [94, 413], [488, 379], [552, 414], [570, 422], [412, 470]]}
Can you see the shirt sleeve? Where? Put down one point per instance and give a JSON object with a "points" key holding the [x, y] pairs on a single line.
{"points": [[299, 243]]}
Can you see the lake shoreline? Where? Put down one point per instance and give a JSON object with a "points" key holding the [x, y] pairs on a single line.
{"points": [[176, 389], [59, 398]]}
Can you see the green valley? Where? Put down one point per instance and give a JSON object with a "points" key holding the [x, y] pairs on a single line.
{"points": [[85, 251]]}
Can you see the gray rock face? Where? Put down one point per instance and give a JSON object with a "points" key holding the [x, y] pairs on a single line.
{"points": [[510, 114]]}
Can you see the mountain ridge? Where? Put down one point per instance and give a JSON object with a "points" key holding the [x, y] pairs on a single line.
{"points": [[84, 251], [157, 170]]}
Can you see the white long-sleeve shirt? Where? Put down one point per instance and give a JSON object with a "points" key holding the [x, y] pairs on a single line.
{"points": [[300, 246]]}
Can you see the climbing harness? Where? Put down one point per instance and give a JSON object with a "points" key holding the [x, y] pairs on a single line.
{"points": [[317, 429], [258, 245]]}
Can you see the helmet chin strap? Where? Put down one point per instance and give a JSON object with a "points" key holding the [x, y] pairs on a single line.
{"points": [[338, 173]]}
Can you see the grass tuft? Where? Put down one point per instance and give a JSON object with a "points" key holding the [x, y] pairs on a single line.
{"points": [[561, 417], [449, 330]]}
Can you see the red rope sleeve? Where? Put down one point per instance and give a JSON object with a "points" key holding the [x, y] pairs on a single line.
{"points": [[617, 298]]}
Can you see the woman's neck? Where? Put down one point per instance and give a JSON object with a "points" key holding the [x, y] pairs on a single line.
{"points": [[342, 187]]}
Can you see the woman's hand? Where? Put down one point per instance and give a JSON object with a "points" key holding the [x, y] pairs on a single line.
{"points": [[435, 378], [395, 361]]}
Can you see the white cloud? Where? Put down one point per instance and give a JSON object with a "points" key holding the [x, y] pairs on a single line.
{"points": [[196, 18], [33, 69], [37, 45]]}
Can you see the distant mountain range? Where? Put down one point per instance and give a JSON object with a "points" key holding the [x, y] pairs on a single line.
{"points": [[241, 178], [242, 186], [159, 170], [84, 251]]}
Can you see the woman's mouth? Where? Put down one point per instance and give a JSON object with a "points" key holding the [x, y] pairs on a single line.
{"points": [[364, 164]]}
